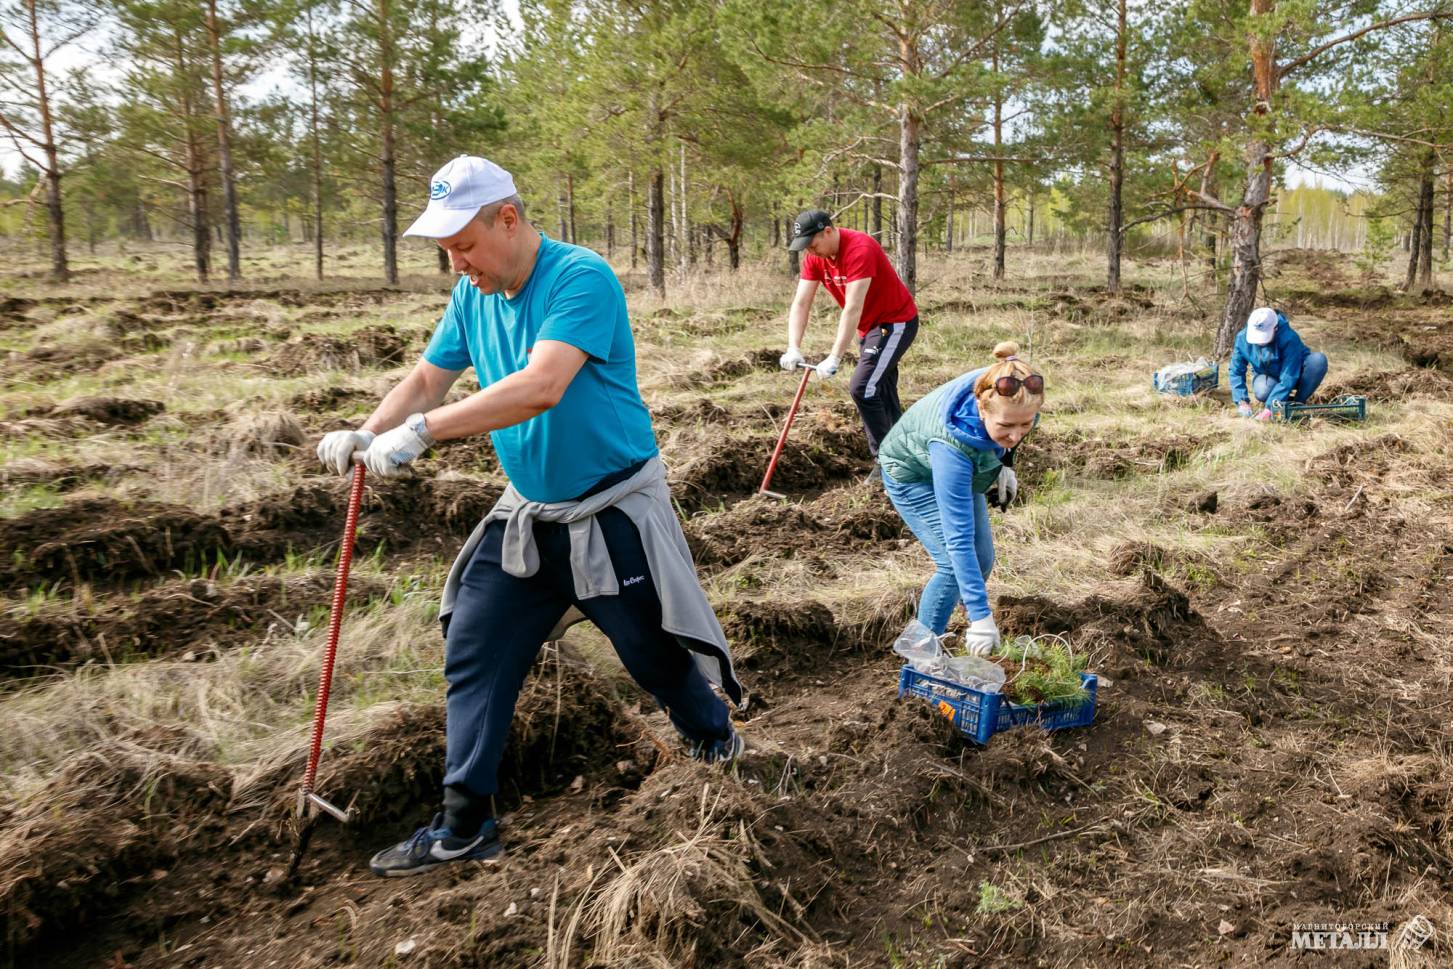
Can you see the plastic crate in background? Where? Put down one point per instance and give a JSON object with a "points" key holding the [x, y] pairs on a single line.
{"points": [[1186, 379], [979, 715], [1345, 407]]}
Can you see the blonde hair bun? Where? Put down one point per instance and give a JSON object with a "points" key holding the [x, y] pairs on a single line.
{"points": [[1006, 349]]}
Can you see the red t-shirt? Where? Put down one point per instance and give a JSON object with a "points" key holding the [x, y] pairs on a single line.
{"points": [[860, 257]]}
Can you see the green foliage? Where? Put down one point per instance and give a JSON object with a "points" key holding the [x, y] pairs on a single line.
{"points": [[1042, 670], [1376, 247], [994, 900]]}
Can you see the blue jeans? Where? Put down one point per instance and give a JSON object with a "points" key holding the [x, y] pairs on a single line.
{"points": [[915, 501], [1314, 370]]}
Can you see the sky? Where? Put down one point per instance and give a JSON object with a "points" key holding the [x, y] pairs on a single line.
{"points": [[89, 52]]}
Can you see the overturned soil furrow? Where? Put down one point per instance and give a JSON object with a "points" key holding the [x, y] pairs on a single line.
{"points": [[825, 449], [1106, 457], [839, 520], [104, 541], [369, 347], [161, 845], [194, 301], [172, 618]]}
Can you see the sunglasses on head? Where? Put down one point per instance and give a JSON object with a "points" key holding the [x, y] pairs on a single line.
{"points": [[1008, 385]]}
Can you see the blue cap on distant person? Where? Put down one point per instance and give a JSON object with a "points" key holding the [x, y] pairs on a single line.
{"points": [[1261, 328], [459, 190]]}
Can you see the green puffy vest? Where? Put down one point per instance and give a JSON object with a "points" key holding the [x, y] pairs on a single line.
{"points": [[903, 454]]}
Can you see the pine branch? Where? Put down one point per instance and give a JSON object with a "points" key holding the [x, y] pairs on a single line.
{"points": [[1318, 51]]}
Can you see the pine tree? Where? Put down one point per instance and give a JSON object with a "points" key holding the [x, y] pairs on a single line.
{"points": [[32, 33]]}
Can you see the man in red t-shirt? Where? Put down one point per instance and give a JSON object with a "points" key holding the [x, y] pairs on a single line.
{"points": [[875, 305]]}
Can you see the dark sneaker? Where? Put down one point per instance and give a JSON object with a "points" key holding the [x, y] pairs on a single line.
{"points": [[717, 751], [434, 846]]}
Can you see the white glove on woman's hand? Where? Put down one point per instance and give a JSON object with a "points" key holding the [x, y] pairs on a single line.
{"points": [[982, 637], [827, 368], [392, 450], [791, 360], [1008, 484], [337, 447]]}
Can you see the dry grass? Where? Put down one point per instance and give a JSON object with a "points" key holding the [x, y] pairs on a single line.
{"points": [[247, 708], [655, 909], [229, 434]]}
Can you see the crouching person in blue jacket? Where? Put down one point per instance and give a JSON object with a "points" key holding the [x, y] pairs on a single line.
{"points": [[938, 462], [1281, 365]]}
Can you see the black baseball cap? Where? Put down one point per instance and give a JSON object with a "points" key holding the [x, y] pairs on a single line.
{"points": [[807, 225]]}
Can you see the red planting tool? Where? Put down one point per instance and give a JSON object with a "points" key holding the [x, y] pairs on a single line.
{"points": [[807, 369], [309, 803]]}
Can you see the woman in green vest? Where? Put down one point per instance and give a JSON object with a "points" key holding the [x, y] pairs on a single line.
{"points": [[939, 460]]}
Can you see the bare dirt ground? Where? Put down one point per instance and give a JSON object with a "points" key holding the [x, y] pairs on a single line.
{"points": [[1270, 609]]}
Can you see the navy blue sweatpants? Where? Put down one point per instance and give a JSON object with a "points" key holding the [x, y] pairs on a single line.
{"points": [[500, 622]]}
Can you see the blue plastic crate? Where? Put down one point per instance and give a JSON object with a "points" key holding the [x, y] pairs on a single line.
{"points": [[1346, 407], [1187, 384], [979, 715]]}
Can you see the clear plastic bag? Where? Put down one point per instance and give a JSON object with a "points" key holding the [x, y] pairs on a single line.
{"points": [[919, 647], [1199, 367], [976, 672]]}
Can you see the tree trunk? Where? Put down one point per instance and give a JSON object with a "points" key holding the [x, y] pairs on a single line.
{"points": [[656, 231], [196, 185], [684, 255], [776, 232], [1246, 221], [224, 149], [570, 207], [1116, 216], [794, 258], [560, 216], [1030, 220], [635, 224], [1246, 247], [734, 240], [948, 223], [387, 160], [1447, 214], [142, 223], [877, 223], [906, 252], [1429, 202], [1420, 222], [1001, 236], [55, 213], [610, 228], [317, 147]]}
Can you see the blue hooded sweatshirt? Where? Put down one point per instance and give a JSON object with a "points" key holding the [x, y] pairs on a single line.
{"points": [[1281, 358], [941, 441]]}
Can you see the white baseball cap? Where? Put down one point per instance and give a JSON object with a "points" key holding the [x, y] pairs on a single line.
{"points": [[1262, 326], [458, 191]]}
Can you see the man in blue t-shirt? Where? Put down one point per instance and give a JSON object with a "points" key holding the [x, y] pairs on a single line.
{"points": [[544, 326]]}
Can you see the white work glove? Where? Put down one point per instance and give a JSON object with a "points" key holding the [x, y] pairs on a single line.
{"points": [[1244, 409], [791, 360], [982, 637], [1008, 484], [392, 450], [337, 447], [827, 368]]}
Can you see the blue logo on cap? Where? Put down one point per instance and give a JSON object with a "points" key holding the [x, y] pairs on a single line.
{"points": [[439, 190]]}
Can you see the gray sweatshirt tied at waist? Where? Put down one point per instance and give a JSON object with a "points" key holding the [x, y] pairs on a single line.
{"points": [[646, 500]]}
